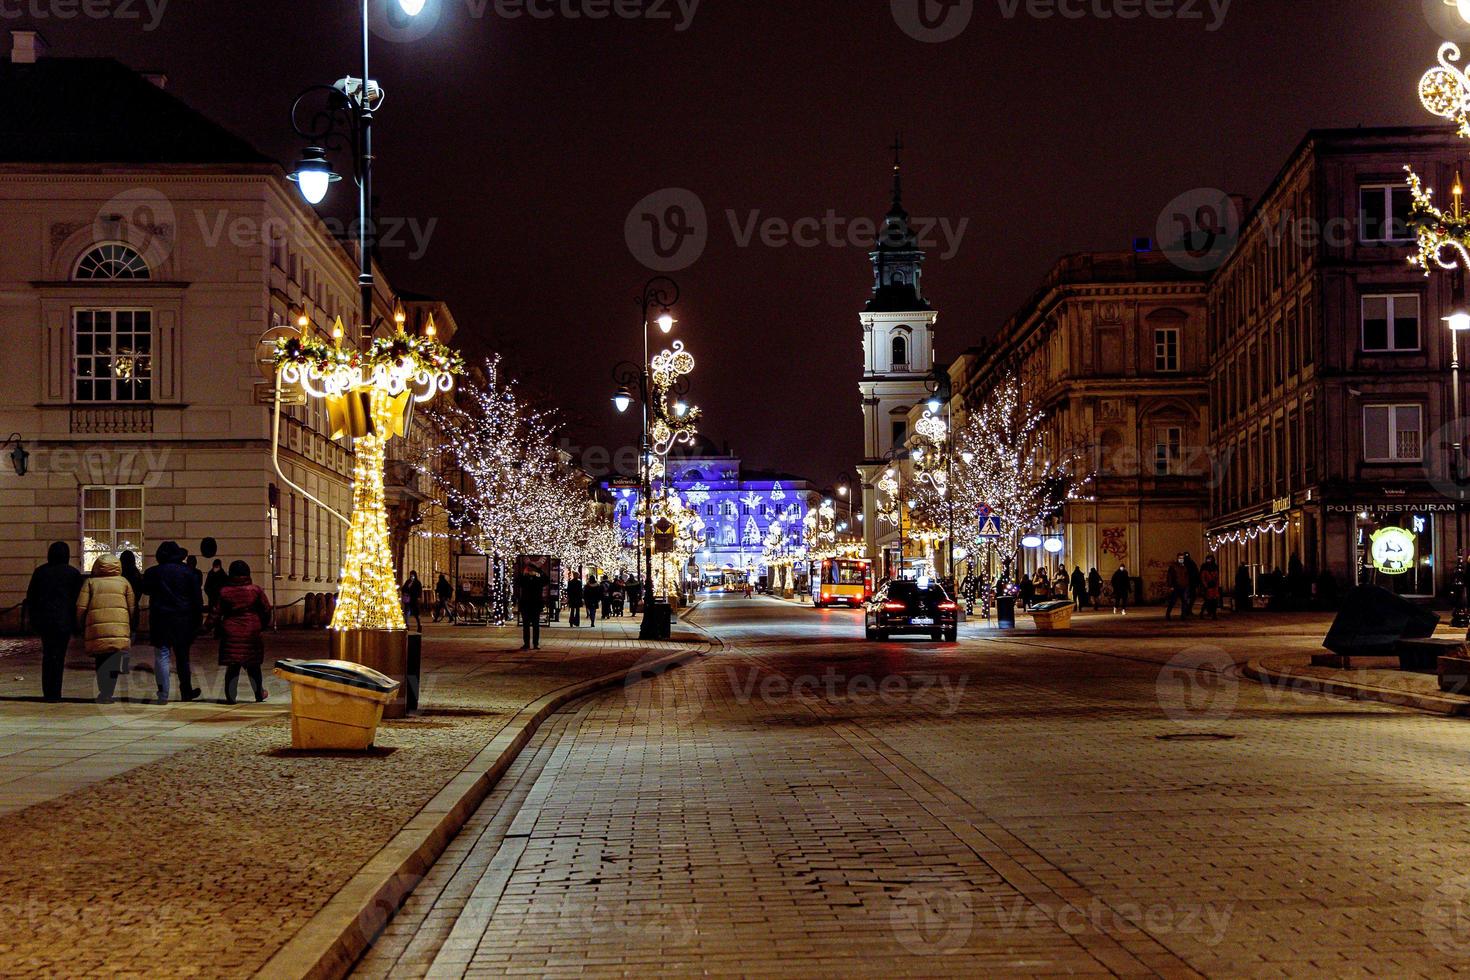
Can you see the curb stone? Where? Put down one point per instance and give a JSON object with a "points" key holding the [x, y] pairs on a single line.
{"points": [[1257, 671], [334, 939]]}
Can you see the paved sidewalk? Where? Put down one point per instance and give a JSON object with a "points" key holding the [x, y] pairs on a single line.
{"points": [[190, 840]]}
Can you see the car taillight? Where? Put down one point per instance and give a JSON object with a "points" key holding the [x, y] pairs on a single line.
{"points": [[947, 606], [894, 606]]}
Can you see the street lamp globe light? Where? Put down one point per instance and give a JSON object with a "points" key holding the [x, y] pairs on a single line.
{"points": [[666, 323], [411, 7], [313, 174], [1459, 318], [1463, 6], [622, 400]]}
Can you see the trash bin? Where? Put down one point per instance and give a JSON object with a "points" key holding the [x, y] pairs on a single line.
{"points": [[658, 622], [1005, 612], [335, 704]]}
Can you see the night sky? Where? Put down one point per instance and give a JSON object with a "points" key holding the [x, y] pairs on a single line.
{"points": [[528, 141]]}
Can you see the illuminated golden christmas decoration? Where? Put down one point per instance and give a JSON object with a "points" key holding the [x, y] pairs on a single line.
{"points": [[1442, 236], [368, 395], [669, 427]]}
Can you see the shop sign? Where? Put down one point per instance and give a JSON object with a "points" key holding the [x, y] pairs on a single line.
{"points": [[1396, 507], [1392, 550]]}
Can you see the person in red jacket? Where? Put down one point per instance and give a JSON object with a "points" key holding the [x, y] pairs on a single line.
{"points": [[243, 612]]}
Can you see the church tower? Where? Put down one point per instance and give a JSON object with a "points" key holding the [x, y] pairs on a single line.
{"points": [[898, 349]]}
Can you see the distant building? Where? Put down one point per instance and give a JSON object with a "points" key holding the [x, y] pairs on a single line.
{"points": [[739, 507], [147, 250], [898, 362], [1111, 348], [1330, 368]]}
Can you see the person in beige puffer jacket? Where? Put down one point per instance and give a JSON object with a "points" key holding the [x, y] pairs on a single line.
{"points": [[105, 608]]}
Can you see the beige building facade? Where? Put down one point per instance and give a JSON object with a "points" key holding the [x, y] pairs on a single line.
{"points": [[142, 267]]}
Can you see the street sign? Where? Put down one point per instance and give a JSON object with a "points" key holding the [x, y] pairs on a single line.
{"points": [[265, 394], [990, 525]]}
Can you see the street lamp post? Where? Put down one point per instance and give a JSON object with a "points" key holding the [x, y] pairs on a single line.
{"points": [[891, 486], [345, 121], [940, 397], [664, 425], [1458, 322]]}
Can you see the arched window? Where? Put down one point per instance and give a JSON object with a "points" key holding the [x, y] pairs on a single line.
{"points": [[900, 350], [111, 260]]}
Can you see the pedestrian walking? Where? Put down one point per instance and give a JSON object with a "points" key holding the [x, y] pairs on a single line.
{"points": [[607, 591], [1027, 591], [1121, 583], [531, 600], [1176, 581], [1192, 589], [241, 615], [574, 600], [1042, 585], [175, 604], [51, 605], [443, 593], [412, 592], [592, 598], [1209, 581], [213, 582], [1094, 587], [1079, 587], [634, 591], [105, 609], [618, 596]]}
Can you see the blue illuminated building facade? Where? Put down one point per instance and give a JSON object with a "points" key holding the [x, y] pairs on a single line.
{"points": [[738, 507]]}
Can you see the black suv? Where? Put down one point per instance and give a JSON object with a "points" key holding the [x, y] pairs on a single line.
{"points": [[909, 607]]}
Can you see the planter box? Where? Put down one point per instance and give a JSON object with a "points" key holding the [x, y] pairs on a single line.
{"points": [[1454, 674], [1423, 656], [1052, 617]]}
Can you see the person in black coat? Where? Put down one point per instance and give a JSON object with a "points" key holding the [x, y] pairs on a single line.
{"points": [[592, 598], [175, 604], [531, 600], [51, 604], [1122, 582], [574, 600], [1079, 588]]}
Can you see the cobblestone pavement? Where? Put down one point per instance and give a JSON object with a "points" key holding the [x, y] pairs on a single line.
{"points": [[1103, 803], [188, 840]]}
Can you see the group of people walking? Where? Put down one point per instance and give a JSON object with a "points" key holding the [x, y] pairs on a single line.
{"points": [[613, 597], [1078, 588], [1187, 581], [105, 608]]}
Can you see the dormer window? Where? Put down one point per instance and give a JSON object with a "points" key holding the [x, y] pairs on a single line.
{"points": [[111, 261], [900, 351]]}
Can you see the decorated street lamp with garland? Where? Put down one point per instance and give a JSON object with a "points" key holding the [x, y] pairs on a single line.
{"points": [[369, 395]]}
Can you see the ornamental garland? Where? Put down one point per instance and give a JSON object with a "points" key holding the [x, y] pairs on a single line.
{"points": [[1436, 231], [421, 354], [1445, 89]]}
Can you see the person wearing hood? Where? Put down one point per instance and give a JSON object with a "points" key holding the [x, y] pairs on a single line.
{"points": [[105, 610], [175, 604], [51, 605], [243, 612], [213, 582]]}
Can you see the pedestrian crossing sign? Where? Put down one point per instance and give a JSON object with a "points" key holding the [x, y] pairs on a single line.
{"points": [[990, 526]]}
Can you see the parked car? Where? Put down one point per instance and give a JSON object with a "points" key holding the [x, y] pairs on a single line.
{"points": [[912, 607]]}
